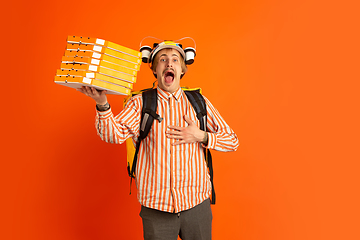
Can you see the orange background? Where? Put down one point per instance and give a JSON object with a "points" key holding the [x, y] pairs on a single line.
{"points": [[284, 74]]}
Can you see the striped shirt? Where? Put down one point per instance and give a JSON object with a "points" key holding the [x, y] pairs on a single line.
{"points": [[168, 178]]}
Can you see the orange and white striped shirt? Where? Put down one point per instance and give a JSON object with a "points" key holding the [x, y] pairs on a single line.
{"points": [[168, 178]]}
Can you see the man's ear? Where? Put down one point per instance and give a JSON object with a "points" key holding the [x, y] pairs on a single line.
{"points": [[154, 72], [183, 72]]}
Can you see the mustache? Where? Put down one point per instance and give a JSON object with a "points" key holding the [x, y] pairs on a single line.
{"points": [[169, 69]]}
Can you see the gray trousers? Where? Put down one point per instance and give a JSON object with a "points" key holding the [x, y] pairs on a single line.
{"points": [[192, 224]]}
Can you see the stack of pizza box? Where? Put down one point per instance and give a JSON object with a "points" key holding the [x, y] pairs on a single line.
{"points": [[100, 64]]}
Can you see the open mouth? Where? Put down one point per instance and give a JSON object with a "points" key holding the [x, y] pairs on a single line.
{"points": [[169, 76]]}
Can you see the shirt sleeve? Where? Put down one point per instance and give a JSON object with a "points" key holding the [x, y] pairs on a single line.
{"points": [[117, 129], [220, 136]]}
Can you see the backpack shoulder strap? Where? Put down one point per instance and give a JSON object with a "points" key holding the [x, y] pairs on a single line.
{"points": [[198, 102], [148, 115], [199, 105]]}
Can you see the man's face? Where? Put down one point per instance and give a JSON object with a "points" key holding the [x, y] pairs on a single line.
{"points": [[168, 69]]}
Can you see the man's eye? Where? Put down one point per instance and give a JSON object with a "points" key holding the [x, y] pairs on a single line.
{"points": [[175, 60]]}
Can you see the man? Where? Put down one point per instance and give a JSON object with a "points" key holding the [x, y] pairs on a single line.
{"points": [[173, 185]]}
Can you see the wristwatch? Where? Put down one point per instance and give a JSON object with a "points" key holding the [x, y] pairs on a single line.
{"points": [[103, 108]]}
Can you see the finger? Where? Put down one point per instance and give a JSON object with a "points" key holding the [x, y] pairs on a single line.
{"points": [[103, 92], [178, 142], [188, 120], [94, 91], [90, 92], [84, 90], [175, 132], [80, 90], [87, 90], [175, 128], [174, 136]]}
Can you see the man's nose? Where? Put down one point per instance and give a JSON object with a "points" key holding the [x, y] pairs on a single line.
{"points": [[168, 63]]}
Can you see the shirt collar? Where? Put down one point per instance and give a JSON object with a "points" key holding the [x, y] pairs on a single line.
{"points": [[166, 95]]}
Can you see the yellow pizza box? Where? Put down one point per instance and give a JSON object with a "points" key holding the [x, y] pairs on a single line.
{"points": [[100, 56], [98, 69], [104, 56], [93, 75], [98, 62], [103, 43], [78, 82], [103, 50]]}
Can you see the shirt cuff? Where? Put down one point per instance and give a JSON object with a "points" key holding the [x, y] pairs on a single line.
{"points": [[104, 114], [211, 141]]}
